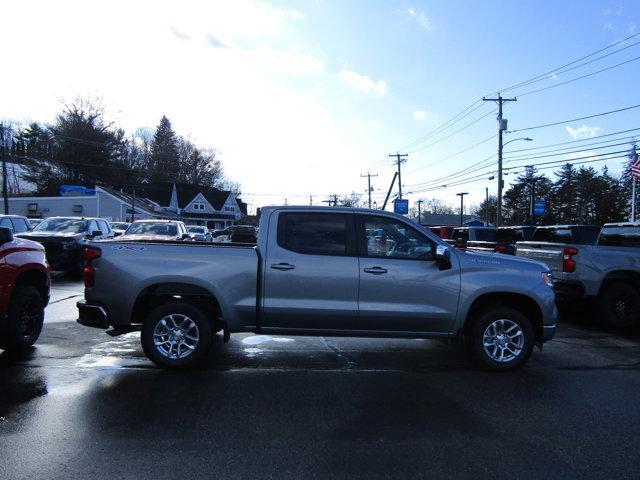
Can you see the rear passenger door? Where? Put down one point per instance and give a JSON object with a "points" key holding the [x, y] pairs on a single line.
{"points": [[311, 272]]}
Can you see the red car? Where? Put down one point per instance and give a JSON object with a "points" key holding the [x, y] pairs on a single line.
{"points": [[24, 291]]}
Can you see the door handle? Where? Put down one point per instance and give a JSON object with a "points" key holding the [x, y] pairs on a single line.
{"points": [[376, 270], [282, 266]]}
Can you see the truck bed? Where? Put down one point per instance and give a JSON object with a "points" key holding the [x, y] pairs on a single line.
{"points": [[230, 271]]}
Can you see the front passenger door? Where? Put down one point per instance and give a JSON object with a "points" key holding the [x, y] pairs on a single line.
{"points": [[402, 287]]}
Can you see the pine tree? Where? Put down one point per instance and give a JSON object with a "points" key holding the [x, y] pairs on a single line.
{"points": [[164, 159]]}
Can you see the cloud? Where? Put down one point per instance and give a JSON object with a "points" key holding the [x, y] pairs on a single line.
{"points": [[584, 131], [421, 18], [607, 12], [608, 26], [363, 82], [213, 41], [423, 115], [179, 34]]}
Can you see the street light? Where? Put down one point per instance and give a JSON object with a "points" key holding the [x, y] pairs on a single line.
{"points": [[500, 181], [461, 195]]}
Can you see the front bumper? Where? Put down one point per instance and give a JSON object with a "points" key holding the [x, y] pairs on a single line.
{"points": [[548, 332], [92, 315]]}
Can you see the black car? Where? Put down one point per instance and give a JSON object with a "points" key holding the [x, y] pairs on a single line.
{"points": [[244, 234], [64, 237]]}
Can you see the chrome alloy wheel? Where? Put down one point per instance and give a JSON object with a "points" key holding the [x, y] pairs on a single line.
{"points": [[176, 336], [503, 340]]}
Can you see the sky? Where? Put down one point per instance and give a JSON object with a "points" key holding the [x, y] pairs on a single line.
{"points": [[302, 98]]}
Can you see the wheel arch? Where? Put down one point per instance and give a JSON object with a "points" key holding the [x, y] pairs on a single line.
{"points": [[631, 276], [35, 277], [164, 292], [520, 302]]}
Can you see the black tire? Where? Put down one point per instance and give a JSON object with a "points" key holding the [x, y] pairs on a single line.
{"points": [[158, 353], [619, 305], [521, 346], [25, 317]]}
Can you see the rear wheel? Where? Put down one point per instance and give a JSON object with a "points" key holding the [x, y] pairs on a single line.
{"points": [[619, 305], [502, 339], [176, 335], [25, 317]]}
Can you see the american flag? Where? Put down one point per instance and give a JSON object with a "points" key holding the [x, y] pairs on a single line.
{"points": [[635, 164]]}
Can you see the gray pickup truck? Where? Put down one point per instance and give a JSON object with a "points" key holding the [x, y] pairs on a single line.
{"points": [[318, 271], [606, 270]]}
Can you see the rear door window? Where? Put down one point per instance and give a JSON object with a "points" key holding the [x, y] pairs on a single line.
{"points": [[20, 225], [313, 233], [486, 235], [554, 235], [620, 236]]}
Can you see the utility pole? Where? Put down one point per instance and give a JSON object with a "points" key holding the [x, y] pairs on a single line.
{"points": [[420, 202], [4, 138], [400, 159], [369, 189], [502, 126], [486, 206], [386, 199], [461, 195], [333, 199], [133, 205], [310, 200]]}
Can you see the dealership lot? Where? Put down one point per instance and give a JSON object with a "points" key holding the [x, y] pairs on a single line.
{"points": [[84, 404]]}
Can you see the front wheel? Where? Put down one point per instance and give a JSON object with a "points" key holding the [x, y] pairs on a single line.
{"points": [[502, 339], [176, 335], [25, 317]]}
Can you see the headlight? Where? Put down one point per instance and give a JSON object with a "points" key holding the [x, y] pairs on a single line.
{"points": [[547, 277]]}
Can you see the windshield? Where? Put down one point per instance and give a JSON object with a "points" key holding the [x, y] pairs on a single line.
{"points": [[196, 229], [62, 225], [628, 236], [120, 226], [150, 228]]}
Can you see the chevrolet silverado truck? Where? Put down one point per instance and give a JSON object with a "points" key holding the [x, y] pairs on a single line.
{"points": [[318, 271], [24, 291], [607, 272], [505, 240]]}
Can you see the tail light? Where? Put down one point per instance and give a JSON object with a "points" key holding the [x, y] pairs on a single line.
{"points": [[88, 273], [501, 248], [568, 263]]}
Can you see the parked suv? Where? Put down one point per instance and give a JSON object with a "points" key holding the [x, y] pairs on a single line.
{"points": [[24, 291], [64, 237], [15, 223], [155, 230]]}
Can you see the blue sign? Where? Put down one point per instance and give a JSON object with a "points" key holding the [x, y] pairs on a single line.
{"points": [[401, 205], [539, 207]]}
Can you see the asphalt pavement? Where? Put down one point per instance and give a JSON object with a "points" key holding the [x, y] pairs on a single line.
{"points": [[83, 405]]}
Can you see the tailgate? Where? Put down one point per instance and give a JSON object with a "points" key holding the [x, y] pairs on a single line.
{"points": [[548, 253], [479, 246]]}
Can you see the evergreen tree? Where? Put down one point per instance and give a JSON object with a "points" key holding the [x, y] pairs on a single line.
{"points": [[164, 158], [481, 209], [564, 194]]}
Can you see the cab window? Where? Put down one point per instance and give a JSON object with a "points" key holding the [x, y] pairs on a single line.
{"points": [[19, 225], [390, 238]]}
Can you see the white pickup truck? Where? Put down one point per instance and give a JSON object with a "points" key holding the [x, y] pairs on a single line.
{"points": [[606, 270], [318, 271]]}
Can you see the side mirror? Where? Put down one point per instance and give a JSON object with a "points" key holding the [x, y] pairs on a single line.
{"points": [[185, 236], [6, 235], [443, 257]]}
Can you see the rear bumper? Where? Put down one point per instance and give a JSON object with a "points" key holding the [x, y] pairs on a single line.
{"points": [[566, 290], [92, 315]]}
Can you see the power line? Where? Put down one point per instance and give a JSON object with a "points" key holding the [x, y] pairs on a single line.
{"points": [[579, 78], [577, 141], [555, 70], [574, 119], [454, 154], [547, 155], [454, 133]]}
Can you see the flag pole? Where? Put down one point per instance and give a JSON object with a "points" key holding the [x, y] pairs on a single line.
{"points": [[633, 200]]}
